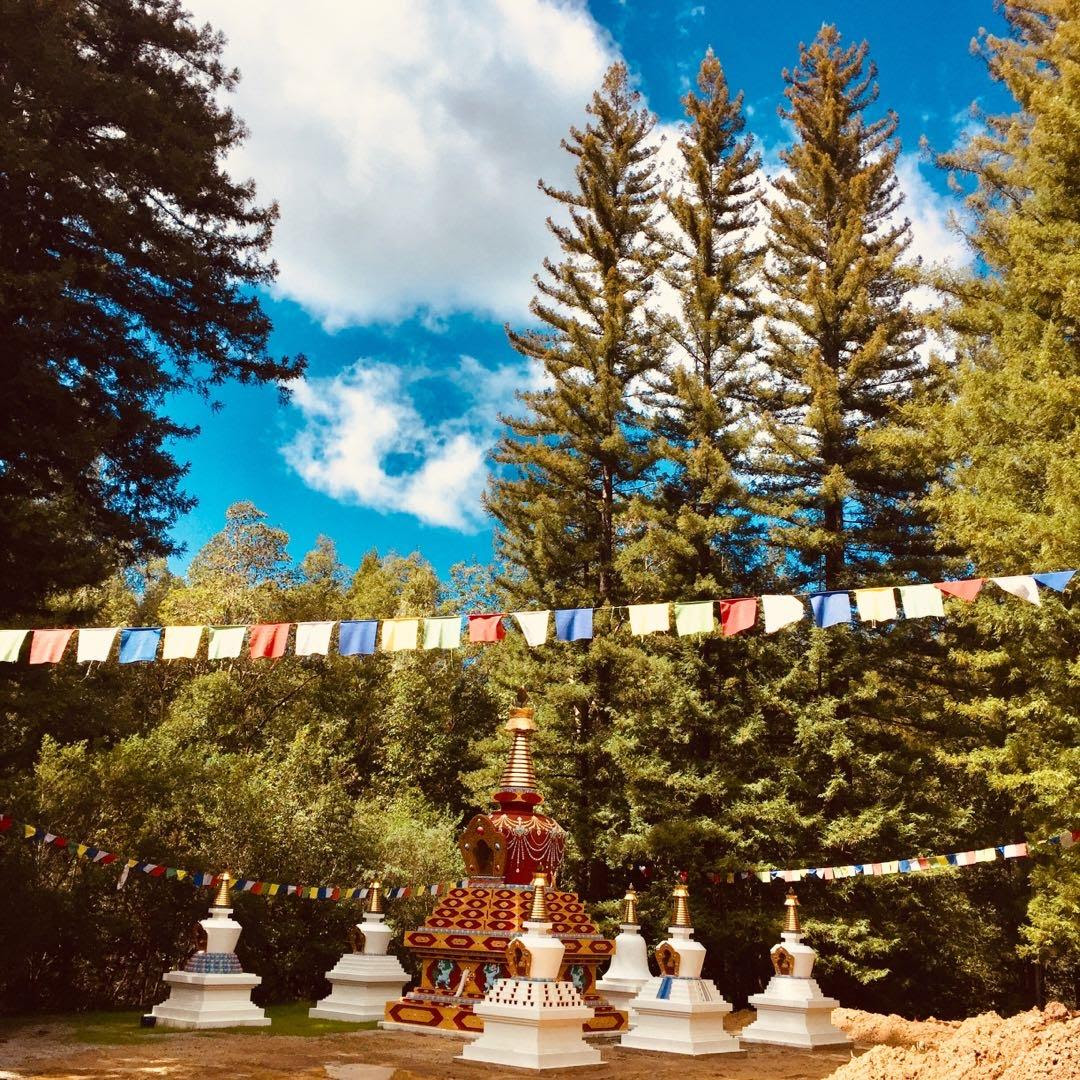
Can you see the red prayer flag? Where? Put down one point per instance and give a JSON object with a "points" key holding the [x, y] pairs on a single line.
{"points": [[257, 888], [966, 590], [737, 615], [47, 646], [5, 822], [486, 628], [60, 841], [268, 640]]}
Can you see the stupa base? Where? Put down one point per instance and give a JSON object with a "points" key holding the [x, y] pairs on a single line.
{"points": [[198, 1001], [794, 1012], [681, 1016], [362, 984]]}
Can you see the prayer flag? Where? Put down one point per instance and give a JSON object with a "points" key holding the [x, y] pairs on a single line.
{"points": [[181, 642], [400, 635], [987, 854], [781, 611], [442, 633], [268, 640], [831, 608], [737, 615], [11, 644], [649, 618], [486, 628], [697, 617], [225, 642], [876, 605], [965, 858], [356, 637], [95, 644], [313, 638], [1020, 585], [139, 644], [574, 624], [1055, 579], [1015, 851], [47, 646], [966, 590], [922, 601], [534, 626]]}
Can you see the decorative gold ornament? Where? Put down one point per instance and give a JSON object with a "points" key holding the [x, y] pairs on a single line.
{"points": [[667, 959], [519, 771], [222, 897], [791, 913], [518, 960], [680, 915], [629, 907], [539, 911], [375, 897], [782, 961]]}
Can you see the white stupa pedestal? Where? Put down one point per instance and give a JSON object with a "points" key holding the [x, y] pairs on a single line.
{"points": [[363, 982], [793, 1011], [681, 1013], [533, 1021], [629, 970], [212, 991]]}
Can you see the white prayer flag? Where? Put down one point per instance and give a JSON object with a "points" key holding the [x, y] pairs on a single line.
{"points": [[313, 638], [225, 642], [1015, 851], [922, 601], [876, 605], [649, 618], [10, 644], [181, 642], [986, 854], [95, 644], [534, 626], [1021, 585], [781, 611]]}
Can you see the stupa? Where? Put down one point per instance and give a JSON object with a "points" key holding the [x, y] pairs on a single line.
{"points": [[212, 990], [533, 1019], [629, 971], [793, 1011], [678, 1011], [461, 948], [364, 979]]}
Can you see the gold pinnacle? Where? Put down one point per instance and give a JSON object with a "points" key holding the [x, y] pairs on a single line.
{"points": [[519, 771], [680, 916], [791, 914], [539, 912], [375, 897], [629, 907], [222, 898]]}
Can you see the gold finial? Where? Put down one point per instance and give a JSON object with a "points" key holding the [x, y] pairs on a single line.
{"points": [[519, 771], [222, 898], [375, 897], [629, 907], [791, 914], [539, 912], [680, 916]]}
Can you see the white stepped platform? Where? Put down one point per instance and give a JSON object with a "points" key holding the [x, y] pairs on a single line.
{"points": [[209, 1001], [793, 1012], [681, 1016], [361, 985]]}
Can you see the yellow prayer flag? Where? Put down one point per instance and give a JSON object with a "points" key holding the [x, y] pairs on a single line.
{"points": [[181, 642], [649, 618], [876, 605], [10, 643], [399, 635]]}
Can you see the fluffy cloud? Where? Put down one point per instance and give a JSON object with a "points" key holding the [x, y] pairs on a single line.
{"points": [[404, 140]]}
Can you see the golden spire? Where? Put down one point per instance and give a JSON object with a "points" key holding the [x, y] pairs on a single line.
{"points": [[791, 914], [222, 898], [539, 912], [519, 772], [629, 907], [375, 897], [680, 916]]}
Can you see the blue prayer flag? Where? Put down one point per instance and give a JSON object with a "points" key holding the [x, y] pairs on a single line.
{"points": [[831, 608], [905, 866], [357, 637], [1055, 579], [574, 624], [952, 859], [139, 643]]}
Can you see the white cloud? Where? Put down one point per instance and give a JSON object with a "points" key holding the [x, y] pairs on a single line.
{"points": [[364, 440], [404, 140]]}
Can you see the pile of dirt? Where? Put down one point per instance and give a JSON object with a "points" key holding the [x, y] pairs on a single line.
{"points": [[873, 1029], [1042, 1044]]}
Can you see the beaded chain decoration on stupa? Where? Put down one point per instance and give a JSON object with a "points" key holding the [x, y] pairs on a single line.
{"points": [[462, 945]]}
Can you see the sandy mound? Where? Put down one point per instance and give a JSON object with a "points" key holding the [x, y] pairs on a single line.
{"points": [[1036, 1045], [892, 1030]]}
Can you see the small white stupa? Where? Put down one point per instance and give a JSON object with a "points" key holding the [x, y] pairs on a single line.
{"points": [[793, 1011], [679, 1012], [531, 1019], [629, 970], [213, 990], [364, 980]]}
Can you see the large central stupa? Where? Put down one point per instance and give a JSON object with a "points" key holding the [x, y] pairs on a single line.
{"points": [[462, 945]]}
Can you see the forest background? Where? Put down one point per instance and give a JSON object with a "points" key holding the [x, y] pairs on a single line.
{"points": [[748, 387]]}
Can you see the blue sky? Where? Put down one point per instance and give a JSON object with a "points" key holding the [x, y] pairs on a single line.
{"points": [[403, 143]]}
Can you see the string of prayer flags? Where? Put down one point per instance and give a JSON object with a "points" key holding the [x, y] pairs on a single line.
{"points": [[922, 601], [400, 635], [181, 642], [876, 605], [965, 590], [313, 638], [1021, 585], [696, 617], [268, 640], [534, 626], [574, 624], [1055, 579], [443, 632], [11, 642], [649, 619], [781, 611], [139, 644], [830, 608], [47, 646], [737, 615], [486, 628], [95, 644], [356, 637], [225, 642]]}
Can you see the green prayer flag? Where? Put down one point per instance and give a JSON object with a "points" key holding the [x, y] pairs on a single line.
{"points": [[695, 618], [10, 644], [442, 633]]}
